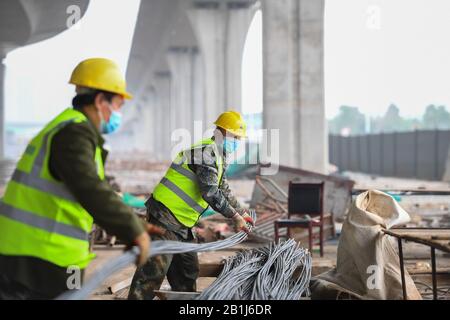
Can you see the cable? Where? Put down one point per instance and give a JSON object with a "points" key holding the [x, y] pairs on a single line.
{"points": [[157, 248], [276, 272]]}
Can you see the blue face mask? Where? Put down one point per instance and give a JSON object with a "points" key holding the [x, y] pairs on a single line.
{"points": [[115, 120], [230, 145]]}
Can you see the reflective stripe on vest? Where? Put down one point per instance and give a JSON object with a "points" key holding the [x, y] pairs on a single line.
{"points": [[186, 198], [39, 216], [183, 171], [179, 191], [46, 186], [49, 225]]}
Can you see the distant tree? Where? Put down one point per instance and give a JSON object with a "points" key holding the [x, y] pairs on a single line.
{"points": [[349, 121], [436, 117], [392, 121], [413, 124]]}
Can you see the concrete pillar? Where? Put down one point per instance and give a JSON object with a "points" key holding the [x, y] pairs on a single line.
{"points": [[162, 82], [145, 128], [151, 122], [180, 64], [240, 15], [293, 80], [198, 85], [221, 29], [2, 106], [139, 131], [158, 125]]}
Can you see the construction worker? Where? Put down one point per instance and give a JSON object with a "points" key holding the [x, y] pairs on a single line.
{"points": [[195, 180], [59, 189]]}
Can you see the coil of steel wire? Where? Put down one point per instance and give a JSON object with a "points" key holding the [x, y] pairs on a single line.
{"points": [[157, 248], [279, 271]]}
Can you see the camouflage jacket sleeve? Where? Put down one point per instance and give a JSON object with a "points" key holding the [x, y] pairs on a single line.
{"points": [[216, 193], [225, 187]]}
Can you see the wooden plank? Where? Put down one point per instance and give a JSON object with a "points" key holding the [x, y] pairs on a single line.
{"points": [[210, 269], [120, 285], [319, 265], [434, 191], [423, 236], [175, 295], [428, 270]]}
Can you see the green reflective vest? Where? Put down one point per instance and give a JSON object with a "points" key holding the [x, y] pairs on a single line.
{"points": [[179, 191], [39, 216]]}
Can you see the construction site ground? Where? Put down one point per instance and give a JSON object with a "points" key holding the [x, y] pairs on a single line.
{"points": [[426, 211], [139, 176], [417, 260]]}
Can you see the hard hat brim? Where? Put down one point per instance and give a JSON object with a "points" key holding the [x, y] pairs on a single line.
{"points": [[127, 96], [237, 133]]}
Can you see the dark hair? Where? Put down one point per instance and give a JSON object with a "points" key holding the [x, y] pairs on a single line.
{"points": [[85, 99]]}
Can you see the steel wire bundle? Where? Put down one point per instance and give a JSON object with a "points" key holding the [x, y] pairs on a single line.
{"points": [[157, 248], [277, 272]]}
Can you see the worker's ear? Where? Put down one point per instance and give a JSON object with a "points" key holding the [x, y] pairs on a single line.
{"points": [[219, 135], [102, 105], [100, 100]]}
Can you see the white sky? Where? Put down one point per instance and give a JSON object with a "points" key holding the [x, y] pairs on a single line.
{"points": [[403, 57], [377, 52], [37, 75], [252, 75]]}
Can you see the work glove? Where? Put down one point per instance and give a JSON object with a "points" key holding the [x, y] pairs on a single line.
{"points": [[240, 223], [142, 241], [245, 213]]}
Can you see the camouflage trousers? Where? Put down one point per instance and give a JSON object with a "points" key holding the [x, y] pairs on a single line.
{"points": [[181, 271]]}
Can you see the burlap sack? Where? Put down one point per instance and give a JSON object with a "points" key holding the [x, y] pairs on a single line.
{"points": [[367, 264]]}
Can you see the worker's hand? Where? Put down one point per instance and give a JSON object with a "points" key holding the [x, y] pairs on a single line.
{"points": [[143, 242], [152, 229], [245, 213], [240, 223]]}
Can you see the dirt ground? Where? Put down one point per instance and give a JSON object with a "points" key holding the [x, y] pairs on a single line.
{"points": [[425, 210], [417, 258], [106, 253], [141, 176]]}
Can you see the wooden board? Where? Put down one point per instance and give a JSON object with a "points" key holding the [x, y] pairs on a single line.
{"points": [[319, 265], [210, 269], [436, 238], [120, 285], [175, 295]]}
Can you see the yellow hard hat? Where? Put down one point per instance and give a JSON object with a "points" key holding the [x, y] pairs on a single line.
{"points": [[233, 122], [101, 74]]}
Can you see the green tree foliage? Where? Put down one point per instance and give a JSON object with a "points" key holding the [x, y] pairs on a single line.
{"points": [[436, 118], [392, 121], [349, 119]]}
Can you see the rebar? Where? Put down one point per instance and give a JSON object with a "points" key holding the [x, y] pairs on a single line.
{"points": [[156, 248], [276, 272]]}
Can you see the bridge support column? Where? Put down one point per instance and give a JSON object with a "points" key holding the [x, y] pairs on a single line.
{"points": [[147, 122], [199, 94], [162, 83], [2, 106], [180, 64], [221, 30], [293, 80]]}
